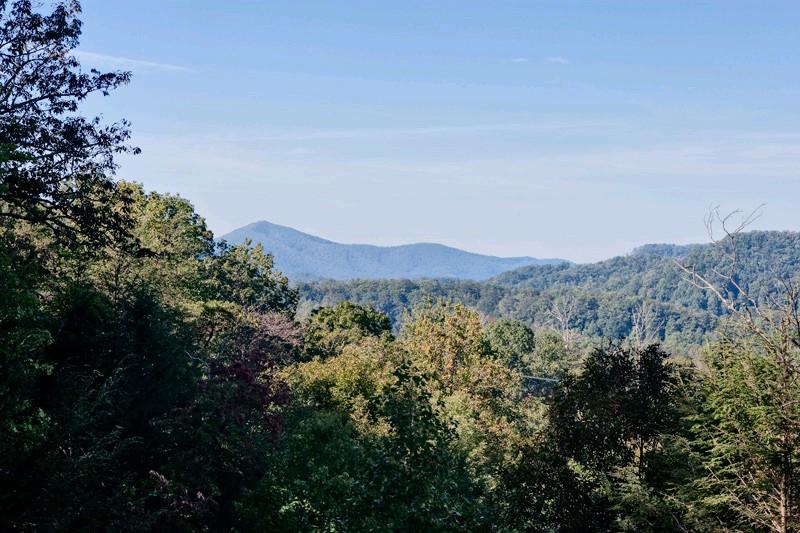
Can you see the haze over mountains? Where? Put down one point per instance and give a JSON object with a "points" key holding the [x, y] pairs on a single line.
{"points": [[304, 257]]}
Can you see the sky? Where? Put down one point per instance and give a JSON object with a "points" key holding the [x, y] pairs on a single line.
{"points": [[571, 129]]}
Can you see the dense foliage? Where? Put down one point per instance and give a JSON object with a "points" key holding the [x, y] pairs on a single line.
{"points": [[56, 164], [158, 380]]}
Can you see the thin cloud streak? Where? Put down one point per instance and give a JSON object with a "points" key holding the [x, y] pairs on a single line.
{"points": [[356, 133], [110, 61], [557, 60], [713, 165]]}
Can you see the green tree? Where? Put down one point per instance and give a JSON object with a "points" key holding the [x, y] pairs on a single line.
{"points": [[367, 449], [329, 329], [747, 434], [542, 491], [614, 411], [449, 342], [56, 165], [748, 429], [494, 419], [617, 420], [512, 341], [551, 357]]}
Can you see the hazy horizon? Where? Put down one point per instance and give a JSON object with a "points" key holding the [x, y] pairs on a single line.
{"points": [[409, 243], [578, 131]]}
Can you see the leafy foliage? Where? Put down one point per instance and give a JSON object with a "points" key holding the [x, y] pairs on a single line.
{"points": [[138, 382], [329, 329], [56, 165]]}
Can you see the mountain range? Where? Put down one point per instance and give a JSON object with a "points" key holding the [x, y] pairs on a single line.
{"points": [[304, 257]]}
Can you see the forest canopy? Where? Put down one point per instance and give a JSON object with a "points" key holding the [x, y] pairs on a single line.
{"points": [[643, 295]]}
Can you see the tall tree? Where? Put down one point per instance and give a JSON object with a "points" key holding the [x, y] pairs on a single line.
{"points": [[512, 341], [748, 435], [613, 413], [329, 329], [747, 438], [615, 421], [56, 166]]}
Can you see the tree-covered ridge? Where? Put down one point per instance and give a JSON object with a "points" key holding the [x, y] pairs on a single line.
{"points": [[600, 299], [761, 256]]}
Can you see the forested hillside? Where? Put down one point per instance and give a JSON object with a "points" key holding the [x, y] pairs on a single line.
{"points": [[153, 378], [596, 300], [304, 257]]}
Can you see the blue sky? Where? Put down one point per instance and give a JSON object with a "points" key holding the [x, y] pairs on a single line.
{"points": [[558, 128]]}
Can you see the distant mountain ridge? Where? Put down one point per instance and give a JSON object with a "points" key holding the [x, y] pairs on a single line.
{"points": [[304, 257]]}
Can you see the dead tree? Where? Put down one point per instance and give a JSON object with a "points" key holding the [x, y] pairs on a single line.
{"points": [[644, 324], [562, 310]]}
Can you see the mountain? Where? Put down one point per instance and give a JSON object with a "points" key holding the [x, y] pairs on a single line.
{"points": [[304, 257]]}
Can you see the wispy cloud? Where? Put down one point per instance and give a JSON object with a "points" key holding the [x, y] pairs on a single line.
{"points": [[108, 61], [706, 165], [557, 60], [357, 133], [519, 60], [300, 151]]}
